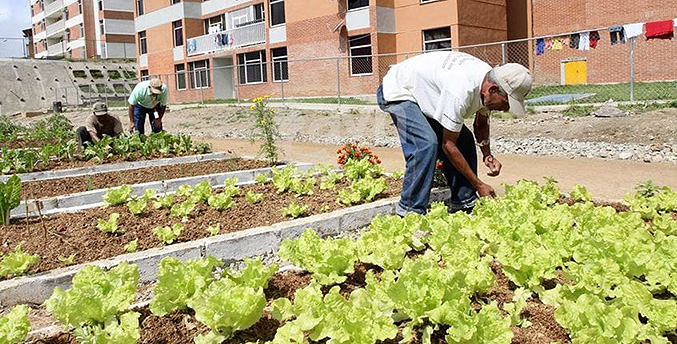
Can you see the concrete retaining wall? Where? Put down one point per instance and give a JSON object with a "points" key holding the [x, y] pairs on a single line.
{"points": [[232, 246]]}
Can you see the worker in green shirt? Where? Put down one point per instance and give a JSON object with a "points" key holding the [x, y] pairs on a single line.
{"points": [[148, 98]]}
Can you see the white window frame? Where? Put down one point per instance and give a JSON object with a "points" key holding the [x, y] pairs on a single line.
{"points": [[181, 73], [145, 42], [102, 26], [193, 72], [284, 60], [144, 77], [174, 30], [428, 1], [140, 10], [262, 67], [350, 50], [436, 40], [271, 13], [82, 30]]}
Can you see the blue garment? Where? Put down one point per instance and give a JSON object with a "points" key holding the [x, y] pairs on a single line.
{"points": [[140, 113], [617, 34], [540, 46], [421, 139]]}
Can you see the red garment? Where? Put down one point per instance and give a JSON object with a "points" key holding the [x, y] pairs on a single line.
{"points": [[659, 29], [594, 39]]}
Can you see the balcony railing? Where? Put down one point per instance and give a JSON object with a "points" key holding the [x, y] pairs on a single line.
{"points": [[53, 28], [53, 7], [56, 49], [227, 40]]}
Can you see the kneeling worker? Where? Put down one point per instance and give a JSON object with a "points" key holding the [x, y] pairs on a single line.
{"points": [[428, 98], [99, 123]]}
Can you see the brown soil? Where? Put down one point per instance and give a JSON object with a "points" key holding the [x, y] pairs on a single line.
{"points": [[57, 187], [65, 164], [23, 143], [544, 328], [68, 233], [619, 207]]}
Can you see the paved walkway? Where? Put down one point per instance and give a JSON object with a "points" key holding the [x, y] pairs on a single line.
{"points": [[606, 179]]}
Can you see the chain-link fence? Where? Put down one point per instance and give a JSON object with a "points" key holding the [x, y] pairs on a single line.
{"points": [[13, 47]]}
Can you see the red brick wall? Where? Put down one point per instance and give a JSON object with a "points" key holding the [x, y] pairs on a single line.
{"points": [[654, 59]]}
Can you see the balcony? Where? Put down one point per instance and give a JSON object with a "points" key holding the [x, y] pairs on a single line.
{"points": [[53, 7], [56, 27], [56, 49], [227, 40]]}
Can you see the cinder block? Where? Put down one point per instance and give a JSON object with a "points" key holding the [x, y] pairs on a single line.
{"points": [[247, 243], [360, 216], [149, 260], [324, 224]]}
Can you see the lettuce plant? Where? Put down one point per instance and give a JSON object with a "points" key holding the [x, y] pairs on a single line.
{"points": [[328, 182], [183, 210], [132, 246], [184, 190], [201, 192], [137, 206], [301, 187], [283, 179], [168, 234], [581, 194], [117, 196], [110, 226], [164, 202], [17, 263], [221, 202], [262, 178], [214, 230], [14, 326], [366, 188], [253, 197], [294, 210]]}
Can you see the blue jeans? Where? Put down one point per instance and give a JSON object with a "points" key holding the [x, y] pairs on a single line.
{"points": [[140, 113], [421, 139]]}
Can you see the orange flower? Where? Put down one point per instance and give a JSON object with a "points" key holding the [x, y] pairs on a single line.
{"points": [[378, 161]]}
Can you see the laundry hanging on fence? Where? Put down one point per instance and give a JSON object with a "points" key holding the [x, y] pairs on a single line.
{"points": [[548, 43], [584, 42], [617, 34], [191, 46], [594, 39], [633, 30], [660, 30], [217, 39], [574, 39], [224, 39], [540, 46], [557, 43]]}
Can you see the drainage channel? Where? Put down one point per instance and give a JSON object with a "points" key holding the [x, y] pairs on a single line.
{"points": [[93, 198], [122, 166], [235, 246]]}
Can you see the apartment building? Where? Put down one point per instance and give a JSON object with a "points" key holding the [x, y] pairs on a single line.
{"points": [[83, 28], [653, 60], [220, 49]]}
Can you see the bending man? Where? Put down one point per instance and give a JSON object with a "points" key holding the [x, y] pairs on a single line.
{"points": [[428, 97], [147, 99], [99, 123]]}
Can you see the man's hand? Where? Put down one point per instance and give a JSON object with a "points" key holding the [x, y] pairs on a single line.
{"points": [[132, 127], [157, 123], [493, 164], [485, 190]]}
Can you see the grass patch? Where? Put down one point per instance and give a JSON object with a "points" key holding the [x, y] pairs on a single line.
{"points": [[114, 75], [326, 100], [96, 74], [648, 106], [80, 74], [665, 90], [130, 74], [578, 110]]}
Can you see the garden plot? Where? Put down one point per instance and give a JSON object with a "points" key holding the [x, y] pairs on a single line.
{"points": [[525, 268], [152, 220]]}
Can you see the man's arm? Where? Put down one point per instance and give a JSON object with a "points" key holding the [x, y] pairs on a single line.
{"points": [[449, 147], [131, 118], [481, 129], [94, 136]]}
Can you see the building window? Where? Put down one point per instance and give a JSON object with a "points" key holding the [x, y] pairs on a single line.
{"points": [[101, 26], [139, 7], [178, 33], [425, 1], [199, 74], [174, 2], [144, 75], [215, 24], [79, 6], [42, 25], [437, 39], [276, 12], [82, 30], [142, 43], [280, 64], [65, 12], [180, 70], [360, 55], [258, 12], [252, 67], [355, 4], [100, 5]]}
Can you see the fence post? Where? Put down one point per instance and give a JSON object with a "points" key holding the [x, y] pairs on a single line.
{"points": [[503, 53], [338, 79], [632, 69], [281, 81]]}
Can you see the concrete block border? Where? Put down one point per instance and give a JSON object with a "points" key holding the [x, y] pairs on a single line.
{"points": [[232, 246], [122, 166], [93, 198]]}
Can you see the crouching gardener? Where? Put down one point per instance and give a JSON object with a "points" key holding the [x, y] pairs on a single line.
{"points": [[147, 98], [99, 123], [428, 96]]}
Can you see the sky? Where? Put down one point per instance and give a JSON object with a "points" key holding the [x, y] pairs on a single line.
{"points": [[14, 17]]}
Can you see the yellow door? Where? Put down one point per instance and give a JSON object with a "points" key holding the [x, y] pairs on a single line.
{"points": [[575, 72]]}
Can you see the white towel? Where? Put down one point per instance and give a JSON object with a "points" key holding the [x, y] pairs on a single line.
{"points": [[633, 30], [674, 22], [584, 41]]}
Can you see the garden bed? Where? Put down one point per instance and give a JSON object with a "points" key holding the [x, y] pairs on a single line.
{"points": [[64, 186], [76, 233]]}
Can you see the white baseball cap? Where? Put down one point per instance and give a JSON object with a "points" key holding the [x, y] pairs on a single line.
{"points": [[517, 81]]}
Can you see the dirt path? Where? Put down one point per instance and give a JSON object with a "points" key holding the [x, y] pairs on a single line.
{"points": [[604, 178]]}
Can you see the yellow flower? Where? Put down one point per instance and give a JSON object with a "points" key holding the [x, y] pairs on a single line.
{"points": [[273, 111], [263, 122], [265, 96], [253, 107]]}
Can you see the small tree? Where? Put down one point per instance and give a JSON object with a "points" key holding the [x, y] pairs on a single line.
{"points": [[265, 129]]}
